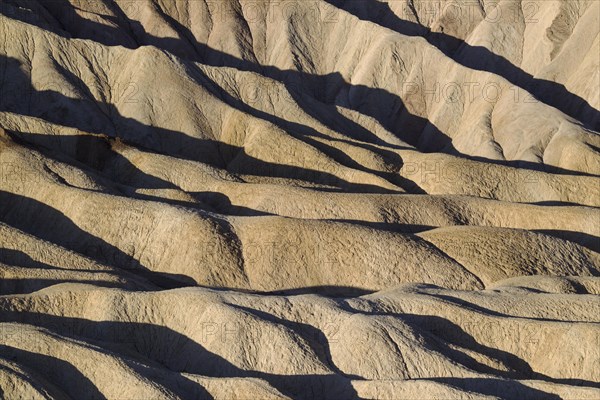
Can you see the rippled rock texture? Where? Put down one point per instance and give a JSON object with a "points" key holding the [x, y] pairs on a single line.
{"points": [[330, 199]]}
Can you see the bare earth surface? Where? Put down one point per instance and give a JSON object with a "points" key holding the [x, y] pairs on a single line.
{"points": [[242, 199]]}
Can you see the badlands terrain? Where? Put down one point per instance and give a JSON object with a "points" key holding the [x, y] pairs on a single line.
{"points": [[313, 199]]}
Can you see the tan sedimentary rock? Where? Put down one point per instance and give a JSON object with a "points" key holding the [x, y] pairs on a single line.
{"points": [[333, 199]]}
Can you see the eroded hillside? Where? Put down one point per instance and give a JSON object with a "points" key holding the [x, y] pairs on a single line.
{"points": [[300, 199]]}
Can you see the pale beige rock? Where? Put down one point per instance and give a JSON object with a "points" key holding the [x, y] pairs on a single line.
{"points": [[331, 199]]}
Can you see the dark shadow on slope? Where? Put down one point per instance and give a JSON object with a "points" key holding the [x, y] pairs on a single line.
{"points": [[93, 150], [586, 240], [32, 378], [440, 346], [50, 367], [388, 226], [478, 58], [18, 286], [211, 202], [315, 337], [159, 347], [84, 115], [221, 204], [19, 258], [578, 287], [52, 275], [467, 305], [341, 292], [118, 168], [92, 153], [444, 332], [297, 82], [325, 291], [119, 176], [500, 388], [452, 334], [45, 222], [556, 203], [71, 381], [527, 165], [506, 389], [310, 135], [315, 94], [186, 46]]}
